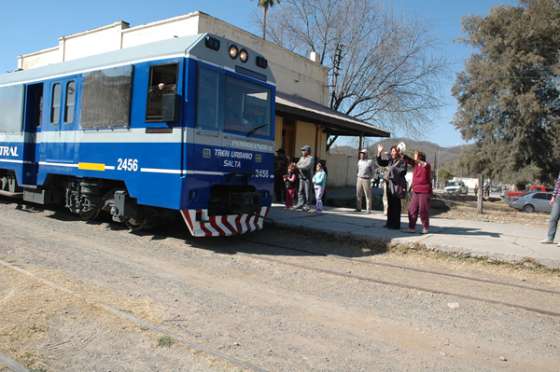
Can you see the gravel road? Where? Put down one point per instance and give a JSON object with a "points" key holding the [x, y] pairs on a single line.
{"points": [[78, 296]]}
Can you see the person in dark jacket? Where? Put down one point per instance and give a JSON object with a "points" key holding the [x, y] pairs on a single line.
{"points": [[280, 166], [421, 192], [395, 184]]}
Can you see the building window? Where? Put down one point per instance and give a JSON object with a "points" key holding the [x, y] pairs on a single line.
{"points": [[208, 98], [106, 98], [162, 89], [55, 104], [70, 103], [11, 108]]}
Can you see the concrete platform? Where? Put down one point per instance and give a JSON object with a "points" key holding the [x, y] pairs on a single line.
{"points": [[513, 243]]}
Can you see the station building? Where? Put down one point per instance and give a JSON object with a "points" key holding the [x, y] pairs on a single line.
{"points": [[302, 112]]}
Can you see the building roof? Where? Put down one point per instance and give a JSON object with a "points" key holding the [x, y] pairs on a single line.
{"points": [[334, 122], [118, 57], [180, 46]]}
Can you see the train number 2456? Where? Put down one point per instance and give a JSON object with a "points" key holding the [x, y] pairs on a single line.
{"points": [[127, 164]]}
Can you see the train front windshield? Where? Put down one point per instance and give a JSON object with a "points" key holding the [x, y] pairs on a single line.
{"points": [[246, 107], [234, 104]]}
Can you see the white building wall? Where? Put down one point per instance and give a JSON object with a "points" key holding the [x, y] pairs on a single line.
{"points": [[41, 58], [342, 170], [88, 43], [167, 29], [294, 74]]}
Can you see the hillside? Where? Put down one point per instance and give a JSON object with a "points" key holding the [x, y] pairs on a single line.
{"points": [[446, 156]]}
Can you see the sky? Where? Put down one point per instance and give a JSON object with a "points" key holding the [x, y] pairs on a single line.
{"points": [[30, 25]]}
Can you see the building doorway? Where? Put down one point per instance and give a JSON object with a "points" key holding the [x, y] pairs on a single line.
{"points": [[289, 137]]}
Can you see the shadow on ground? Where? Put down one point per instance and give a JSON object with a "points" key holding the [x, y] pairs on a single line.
{"points": [[368, 237]]}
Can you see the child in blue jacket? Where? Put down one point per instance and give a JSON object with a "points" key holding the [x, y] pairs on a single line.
{"points": [[319, 183]]}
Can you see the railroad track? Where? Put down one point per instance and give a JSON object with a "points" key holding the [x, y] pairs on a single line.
{"points": [[130, 318], [408, 286], [188, 342]]}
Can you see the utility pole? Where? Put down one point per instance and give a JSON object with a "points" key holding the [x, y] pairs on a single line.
{"points": [[436, 170], [336, 71]]}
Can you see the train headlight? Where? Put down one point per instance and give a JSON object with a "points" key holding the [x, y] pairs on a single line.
{"points": [[243, 56], [233, 51]]}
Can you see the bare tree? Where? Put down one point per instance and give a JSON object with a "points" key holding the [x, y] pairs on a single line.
{"points": [[381, 69]]}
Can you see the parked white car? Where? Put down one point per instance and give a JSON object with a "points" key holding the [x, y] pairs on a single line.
{"points": [[456, 187], [533, 202]]}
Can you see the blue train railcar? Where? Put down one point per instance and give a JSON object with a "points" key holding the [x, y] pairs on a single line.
{"points": [[182, 125]]}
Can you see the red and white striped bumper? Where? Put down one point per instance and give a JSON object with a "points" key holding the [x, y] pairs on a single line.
{"points": [[233, 224]]}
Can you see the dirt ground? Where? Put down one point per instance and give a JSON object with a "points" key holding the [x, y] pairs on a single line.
{"points": [[94, 297]]}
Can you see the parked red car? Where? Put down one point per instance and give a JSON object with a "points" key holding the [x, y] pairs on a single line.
{"points": [[514, 195]]}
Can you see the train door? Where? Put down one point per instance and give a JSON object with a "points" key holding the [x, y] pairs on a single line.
{"points": [[61, 127], [32, 125]]}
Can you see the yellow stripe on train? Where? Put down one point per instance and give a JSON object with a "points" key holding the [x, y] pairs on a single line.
{"points": [[92, 166]]}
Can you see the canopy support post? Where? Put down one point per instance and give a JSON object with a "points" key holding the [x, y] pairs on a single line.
{"points": [[330, 142]]}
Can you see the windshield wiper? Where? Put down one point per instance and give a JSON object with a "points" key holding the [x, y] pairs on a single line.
{"points": [[255, 129]]}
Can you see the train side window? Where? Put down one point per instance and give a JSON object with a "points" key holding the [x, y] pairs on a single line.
{"points": [[55, 103], [208, 95], [70, 102], [105, 98], [11, 108], [162, 87]]}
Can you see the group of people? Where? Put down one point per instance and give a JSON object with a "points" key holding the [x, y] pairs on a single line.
{"points": [[300, 177], [396, 188], [300, 180]]}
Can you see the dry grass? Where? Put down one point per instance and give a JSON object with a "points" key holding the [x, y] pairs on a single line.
{"points": [[165, 341], [494, 211]]}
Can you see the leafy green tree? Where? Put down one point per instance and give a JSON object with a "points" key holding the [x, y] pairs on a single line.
{"points": [[509, 92], [266, 4], [444, 175]]}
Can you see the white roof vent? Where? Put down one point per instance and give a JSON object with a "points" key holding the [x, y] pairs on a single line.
{"points": [[314, 56]]}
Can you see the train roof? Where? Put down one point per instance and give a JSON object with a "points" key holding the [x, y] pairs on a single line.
{"points": [[186, 46]]}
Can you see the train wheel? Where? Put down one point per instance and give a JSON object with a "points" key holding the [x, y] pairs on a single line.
{"points": [[89, 215], [139, 224]]}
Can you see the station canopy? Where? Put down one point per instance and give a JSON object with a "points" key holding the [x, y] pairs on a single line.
{"points": [[334, 122]]}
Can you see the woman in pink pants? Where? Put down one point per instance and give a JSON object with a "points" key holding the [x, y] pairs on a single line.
{"points": [[421, 193]]}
